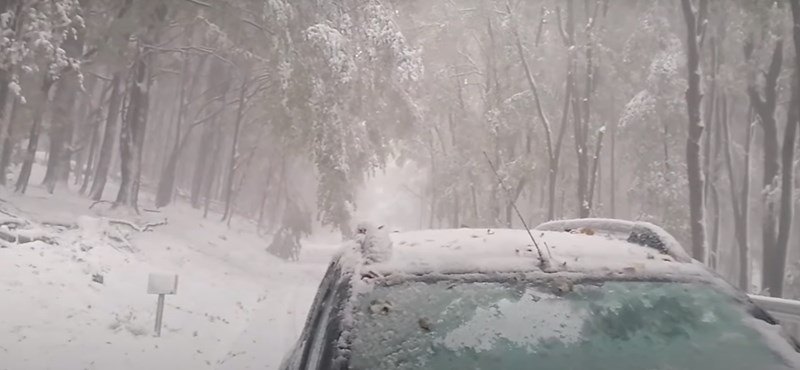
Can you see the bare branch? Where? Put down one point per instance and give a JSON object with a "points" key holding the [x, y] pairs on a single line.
{"points": [[146, 227], [200, 3], [561, 27]]}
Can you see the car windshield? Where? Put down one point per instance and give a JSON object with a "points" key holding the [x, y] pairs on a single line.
{"points": [[622, 325]]}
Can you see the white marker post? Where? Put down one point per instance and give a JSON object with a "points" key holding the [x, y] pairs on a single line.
{"points": [[161, 284]]}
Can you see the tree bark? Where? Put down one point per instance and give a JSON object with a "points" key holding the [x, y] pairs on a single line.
{"points": [[212, 174], [787, 164], [90, 160], [201, 167], [234, 146], [166, 183], [787, 191], [33, 137], [63, 125], [5, 79], [59, 133], [695, 25], [132, 134], [739, 198], [765, 109], [553, 151], [8, 140], [264, 198], [88, 115], [218, 81], [595, 168], [5, 73], [109, 137]]}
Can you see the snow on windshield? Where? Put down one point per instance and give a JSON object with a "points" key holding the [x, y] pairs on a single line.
{"points": [[557, 325]]}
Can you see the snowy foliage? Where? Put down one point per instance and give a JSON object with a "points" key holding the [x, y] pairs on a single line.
{"points": [[335, 51], [34, 39], [348, 67], [641, 106]]}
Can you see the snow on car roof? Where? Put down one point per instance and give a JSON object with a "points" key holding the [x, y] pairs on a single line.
{"points": [[504, 250]]}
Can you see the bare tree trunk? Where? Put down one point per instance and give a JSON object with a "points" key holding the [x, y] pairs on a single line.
{"points": [[219, 85], [234, 148], [711, 150], [201, 166], [708, 119], [613, 168], [60, 158], [595, 164], [787, 188], [739, 199], [109, 137], [714, 258], [166, 182], [765, 108], [5, 79], [89, 168], [695, 25], [8, 140], [33, 137], [168, 178], [264, 197], [212, 174], [553, 151], [132, 134], [432, 182], [90, 117], [59, 132], [787, 164]]}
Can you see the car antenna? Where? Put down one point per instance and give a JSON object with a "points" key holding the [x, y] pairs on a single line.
{"points": [[542, 259]]}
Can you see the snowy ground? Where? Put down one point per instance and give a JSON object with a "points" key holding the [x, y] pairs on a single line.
{"points": [[237, 307]]}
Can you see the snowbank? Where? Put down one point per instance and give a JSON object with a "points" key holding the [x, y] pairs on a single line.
{"points": [[78, 299]]}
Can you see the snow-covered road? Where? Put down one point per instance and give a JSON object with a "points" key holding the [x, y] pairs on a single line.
{"points": [[237, 307]]}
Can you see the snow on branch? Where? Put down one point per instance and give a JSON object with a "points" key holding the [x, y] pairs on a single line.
{"points": [[142, 228]]}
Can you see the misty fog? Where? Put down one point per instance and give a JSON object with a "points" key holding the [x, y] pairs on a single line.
{"points": [[297, 119]]}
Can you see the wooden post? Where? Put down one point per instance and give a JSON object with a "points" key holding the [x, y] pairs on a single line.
{"points": [[159, 314]]}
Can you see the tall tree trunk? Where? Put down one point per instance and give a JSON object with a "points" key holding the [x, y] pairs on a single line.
{"points": [[61, 119], [715, 225], [787, 188], [109, 137], [264, 197], [201, 166], [62, 129], [212, 173], [8, 140], [90, 160], [787, 165], [613, 172], [432, 181], [132, 133], [595, 169], [168, 178], [33, 137], [710, 191], [89, 124], [739, 198], [5, 79], [765, 108], [166, 182], [553, 150], [695, 27], [234, 148], [220, 83]]}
